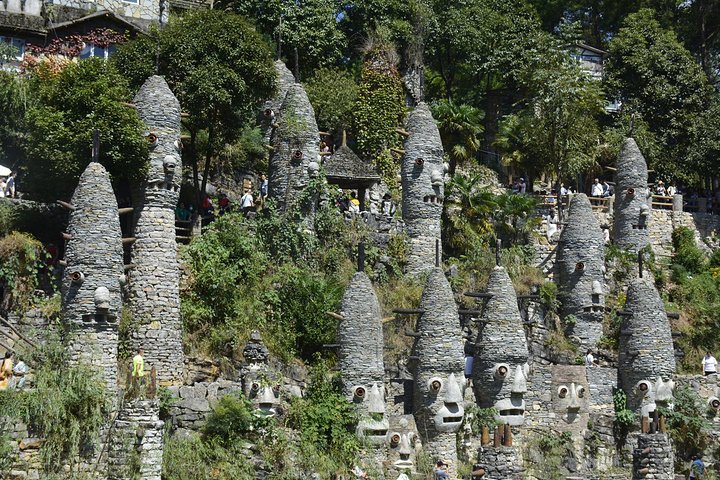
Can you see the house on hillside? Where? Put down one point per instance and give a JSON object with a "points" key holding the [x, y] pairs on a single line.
{"points": [[591, 59], [77, 28]]}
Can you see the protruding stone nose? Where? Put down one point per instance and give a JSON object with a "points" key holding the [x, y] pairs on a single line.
{"points": [[102, 298], [519, 382], [405, 448], [596, 288], [169, 164], [663, 390], [267, 397], [453, 393], [376, 401], [574, 401]]}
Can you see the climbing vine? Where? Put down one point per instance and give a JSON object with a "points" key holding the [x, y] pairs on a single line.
{"points": [[380, 108]]}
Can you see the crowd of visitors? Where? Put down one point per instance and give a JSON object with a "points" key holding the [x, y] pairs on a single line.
{"points": [[12, 372], [7, 186]]}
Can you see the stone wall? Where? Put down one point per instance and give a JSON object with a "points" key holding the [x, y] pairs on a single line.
{"points": [[92, 279], [422, 188], [136, 448], [155, 279], [653, 458]]}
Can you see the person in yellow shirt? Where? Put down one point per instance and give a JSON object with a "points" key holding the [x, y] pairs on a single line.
{"points": [[138, 371]]}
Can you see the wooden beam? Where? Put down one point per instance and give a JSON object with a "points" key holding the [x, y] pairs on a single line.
{"points": [[131, 105], [612, 169], [184, 115], [66, 205], [62, 263], [66, 236], [9, 325], [128, 240], [129, 266], [336, 315], [387, 319], [409, 310], [124, 210], [397, 150], [402, 132]]}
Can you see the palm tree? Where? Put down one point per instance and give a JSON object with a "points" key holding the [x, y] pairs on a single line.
{"points": [[460, 130]]}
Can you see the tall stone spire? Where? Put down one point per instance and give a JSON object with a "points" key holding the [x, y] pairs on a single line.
{"points": [[646, 357], [581, 259], [632, 212], [91, 293], [295, 150], [500, 367], [422, 188], [438, 400], [155, 280]]}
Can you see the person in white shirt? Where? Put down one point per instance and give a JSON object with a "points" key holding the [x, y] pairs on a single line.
{"points": [[597, 189], [246, 201], [3, 186], [709, 364], [590, 360]]}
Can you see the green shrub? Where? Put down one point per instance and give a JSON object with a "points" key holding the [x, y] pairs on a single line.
{"points": [[231, 418], [22, 258], [624, 418], [687, 253], [193, 459], [687, 423]]}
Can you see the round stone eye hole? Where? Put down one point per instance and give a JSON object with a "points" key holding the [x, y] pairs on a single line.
{"points": [[267, 112], [419, 162], [580, 266], [277, 388], [563, 392], [715, 404], [360, 392], [643, 387], [395, 439], [255, 387], [152, 139], [631, 191], [77, 277], [502, 371], [435, 385], [580, 392], [298, 155]]}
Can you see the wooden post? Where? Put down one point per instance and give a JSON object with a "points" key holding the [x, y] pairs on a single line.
{"points": [[644, 424], [507, 437], [437, 252], [640, 265], [498, 255], [662, 423], [485, 435], [497, 438], [361, 257], [96, 146]]}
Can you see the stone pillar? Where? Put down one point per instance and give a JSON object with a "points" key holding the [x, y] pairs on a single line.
{"points": [[677, 202], [91, 283], [646, 358], [33, 7], [499, 463], [268, 115], [653, 458], [154, 285], [14, 6], [581, 259], [632, 213], [422, 188], [136, 447], [438, 404], [296, 147]]}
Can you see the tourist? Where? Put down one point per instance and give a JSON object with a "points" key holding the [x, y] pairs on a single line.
{"points": [[660, 189], [224, 204], [342, 201], [570, 190], [563, 190], [672, 189], [709, 364], [597, 190], [522, 185], [388, 206], [246, 202], [440, 470], [10, 186], [608, 189], [590, 360], [552, 223], [138, 371], [181, 213], [6, 371], [263, 187], [3, 186], [469, 351], [697, 468], [354, 205], [207, 207], [19, 372]]}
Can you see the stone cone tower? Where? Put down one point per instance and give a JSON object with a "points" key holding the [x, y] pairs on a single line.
{"points": [[271, 108], [91, 283], [646, 358], [422, 188], [154, 286], [437, 398], [632, 212], [360, 336], [295, 151], [581, 260]]}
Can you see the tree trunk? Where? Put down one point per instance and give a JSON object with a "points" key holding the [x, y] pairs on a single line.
{"points": [[208, 156]]}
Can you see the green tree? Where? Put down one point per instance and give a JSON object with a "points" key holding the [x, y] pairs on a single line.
{"points": [[333, 94], [557, 131], [470, 223], [652, 73], [217, 66], [460, 129], [85, 96], [16, 97]]}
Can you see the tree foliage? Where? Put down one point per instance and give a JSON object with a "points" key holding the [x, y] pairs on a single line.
{"points": [[333, 93], [460, 128], [84, 97]]}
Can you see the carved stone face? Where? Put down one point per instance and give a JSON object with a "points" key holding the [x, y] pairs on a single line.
{"points": [[374, 426], [511, 385], [401, 444], [446, 405], [570, 393], [264, 397]]}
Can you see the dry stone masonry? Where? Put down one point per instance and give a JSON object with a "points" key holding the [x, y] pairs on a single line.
{"points": [[438, 400], [268, 116], [91, 283], [295, 151], [653, 459], [154, 286], [581, 265], [632, 212], [646, 358], [136, 449], [422, 188]]}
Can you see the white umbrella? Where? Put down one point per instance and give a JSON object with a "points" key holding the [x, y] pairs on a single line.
{"points": [[4, 171]]}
